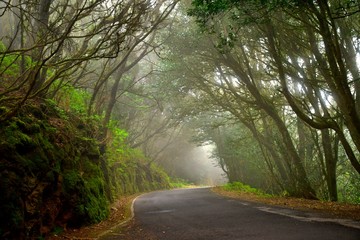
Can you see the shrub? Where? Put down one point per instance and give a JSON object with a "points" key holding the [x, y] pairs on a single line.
{"points": [[240, 187]]}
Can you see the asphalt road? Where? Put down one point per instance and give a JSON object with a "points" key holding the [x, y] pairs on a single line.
{"points": [[188, 214]]}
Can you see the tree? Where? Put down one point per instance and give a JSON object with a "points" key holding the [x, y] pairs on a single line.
{"points": [[77, 45], [300, 47], [63, 37]]}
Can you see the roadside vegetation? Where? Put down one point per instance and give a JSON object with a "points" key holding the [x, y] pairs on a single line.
{"points": [[244, 192], [119, 219], [78, 130], [243, 188], [180, 183], [273, 85], [52, 177]]}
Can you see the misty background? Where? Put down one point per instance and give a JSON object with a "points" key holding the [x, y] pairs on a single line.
{"points": [[195, 164]]}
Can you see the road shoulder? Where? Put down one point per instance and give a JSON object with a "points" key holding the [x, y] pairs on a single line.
{"points": [[327, 209], [121, 214]]}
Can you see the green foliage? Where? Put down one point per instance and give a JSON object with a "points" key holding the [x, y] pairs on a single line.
{"points": [[2, 47], [130, 170], [240, 187], [7, 62], [93, 202], [72, 181], [233, 15], [179, 183], [131, 167], [349, 187], [14, 136], [203, 10], [10, 63], [72, 99], [49, 157], [118, 138], [52, 157]]}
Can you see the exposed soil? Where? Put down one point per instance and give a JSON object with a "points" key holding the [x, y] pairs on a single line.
{"points": [[121, 212]]}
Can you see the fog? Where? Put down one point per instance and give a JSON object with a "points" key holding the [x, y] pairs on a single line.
{"points": [[195, 165], [208, 171]]}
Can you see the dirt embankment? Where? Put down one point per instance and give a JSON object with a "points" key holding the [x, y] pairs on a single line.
{"points": [[120, 214]]}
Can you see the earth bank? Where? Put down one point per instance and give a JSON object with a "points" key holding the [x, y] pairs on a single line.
{"points": [[51, 176]]}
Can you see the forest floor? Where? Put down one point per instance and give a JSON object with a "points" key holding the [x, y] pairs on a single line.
{"points": [[121, 212]]}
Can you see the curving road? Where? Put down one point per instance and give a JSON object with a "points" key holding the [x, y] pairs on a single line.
{"points": [[188, 214]]}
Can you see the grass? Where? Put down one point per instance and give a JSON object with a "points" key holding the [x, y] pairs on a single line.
{"points": [[329, 209], [180, 183], [243, 188]]}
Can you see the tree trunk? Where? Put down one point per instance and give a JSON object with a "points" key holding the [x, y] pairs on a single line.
{"points": [[330, 163], [303, 187]]}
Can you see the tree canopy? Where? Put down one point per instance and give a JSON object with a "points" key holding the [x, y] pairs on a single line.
{"points": [[273, 86]]}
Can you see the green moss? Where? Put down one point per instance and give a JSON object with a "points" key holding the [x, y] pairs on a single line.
{"points": [[58, 151], [72, 181], [43, 141], [96, 204], [3, 110], [34, 128], [90, 202], [14, 136]]}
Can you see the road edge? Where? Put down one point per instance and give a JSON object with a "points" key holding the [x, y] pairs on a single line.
{"points": [[132, 210], [276, 208], [113, 228]]}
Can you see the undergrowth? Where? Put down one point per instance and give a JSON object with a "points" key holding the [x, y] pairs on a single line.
{"points": [[179, 183], [240, 187]]}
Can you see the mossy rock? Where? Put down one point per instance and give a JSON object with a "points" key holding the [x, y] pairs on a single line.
{"points": [[51, 161], [43, 144]]}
